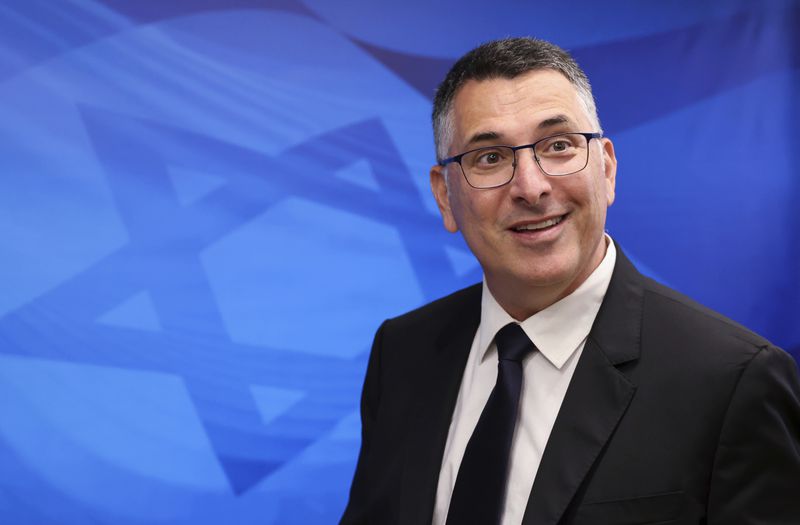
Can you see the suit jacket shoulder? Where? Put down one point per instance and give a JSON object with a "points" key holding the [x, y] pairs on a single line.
{"points": [[411, 386], [683, 309], [430, 320], [701, 417]]}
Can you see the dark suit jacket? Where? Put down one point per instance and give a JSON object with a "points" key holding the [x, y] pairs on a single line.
{"points": [[674, 415]]}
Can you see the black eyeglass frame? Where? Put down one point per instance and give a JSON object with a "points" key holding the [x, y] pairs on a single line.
{"points": [[514, 149]]}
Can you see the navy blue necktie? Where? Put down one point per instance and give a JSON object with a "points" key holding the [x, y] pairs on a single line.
{"points": [[480, 489]]}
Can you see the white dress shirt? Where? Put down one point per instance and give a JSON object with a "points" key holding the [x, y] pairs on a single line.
{"points": [[559, 332]]}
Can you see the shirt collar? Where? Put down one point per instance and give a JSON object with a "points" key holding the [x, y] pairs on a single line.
{"points": [[559, 329]]}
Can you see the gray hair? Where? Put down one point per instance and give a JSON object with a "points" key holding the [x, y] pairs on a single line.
{"points": [[507, 58]]}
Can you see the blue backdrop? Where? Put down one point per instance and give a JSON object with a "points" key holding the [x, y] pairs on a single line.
{"points": [[207, 207]]}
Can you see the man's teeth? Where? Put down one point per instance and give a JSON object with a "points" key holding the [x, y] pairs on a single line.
{"points": [[540, 225]]}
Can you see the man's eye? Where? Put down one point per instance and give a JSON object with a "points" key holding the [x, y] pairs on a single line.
{"points": [[491, 157], [560, 145]]}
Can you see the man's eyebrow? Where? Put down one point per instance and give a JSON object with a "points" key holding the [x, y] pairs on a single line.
{"points": [[483, 136], [553, 121]]}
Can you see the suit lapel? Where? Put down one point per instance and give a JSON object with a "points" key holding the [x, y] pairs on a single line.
{"points": [[597, 398], [436, 397]]}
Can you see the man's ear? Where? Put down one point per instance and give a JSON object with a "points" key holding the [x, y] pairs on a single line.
{"points": [[610, 170], [441, 193]]}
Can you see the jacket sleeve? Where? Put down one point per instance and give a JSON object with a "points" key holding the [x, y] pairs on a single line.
{"points": [[756, 476], [358, 506]]}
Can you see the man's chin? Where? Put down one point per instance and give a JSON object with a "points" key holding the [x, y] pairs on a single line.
{"points": [[538, 287]]}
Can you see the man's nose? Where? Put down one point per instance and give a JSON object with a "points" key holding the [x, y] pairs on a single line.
{"points": [[530, 183]]}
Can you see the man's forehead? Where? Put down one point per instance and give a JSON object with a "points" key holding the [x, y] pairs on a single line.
{"points": [[538, 99]]}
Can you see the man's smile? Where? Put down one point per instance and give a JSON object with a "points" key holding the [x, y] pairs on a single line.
{"points": [[538, 226]]}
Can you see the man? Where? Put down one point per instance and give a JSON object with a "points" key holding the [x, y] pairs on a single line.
{"points": [[566, 388]]}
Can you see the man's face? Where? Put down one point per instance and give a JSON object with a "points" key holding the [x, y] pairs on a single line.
{"points": [[525, 269]]}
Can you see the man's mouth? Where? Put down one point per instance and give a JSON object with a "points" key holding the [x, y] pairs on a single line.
{"points": [[542, 225]]}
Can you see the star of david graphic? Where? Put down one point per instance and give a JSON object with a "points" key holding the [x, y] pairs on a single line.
{"points": [[217, 371]]}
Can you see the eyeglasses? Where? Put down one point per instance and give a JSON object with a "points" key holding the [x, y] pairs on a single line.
{"points": [[494, 166]]}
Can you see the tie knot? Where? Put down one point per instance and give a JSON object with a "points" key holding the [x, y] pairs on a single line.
{"points": [[512, 343]]}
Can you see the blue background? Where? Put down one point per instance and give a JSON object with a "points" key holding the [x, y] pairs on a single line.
{"points": [[207, 207]]}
